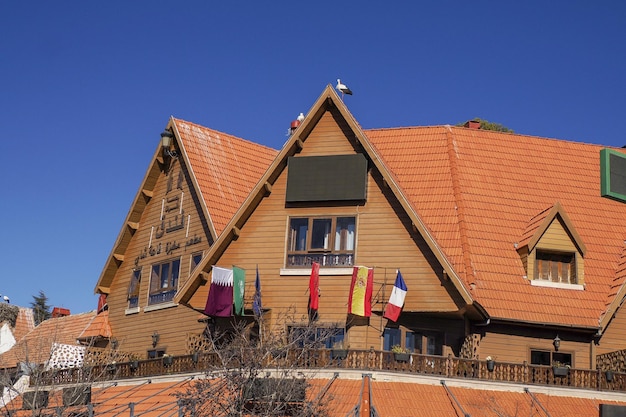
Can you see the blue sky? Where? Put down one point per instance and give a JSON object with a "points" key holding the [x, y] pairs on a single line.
{"points": [[87, 87]]}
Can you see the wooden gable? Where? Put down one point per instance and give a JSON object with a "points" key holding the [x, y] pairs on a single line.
{"points": [[387, 238], [169, 226]]}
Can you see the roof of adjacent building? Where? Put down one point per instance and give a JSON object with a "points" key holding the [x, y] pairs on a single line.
{"points": [[352, 394], [36, 345], [478, 192]]}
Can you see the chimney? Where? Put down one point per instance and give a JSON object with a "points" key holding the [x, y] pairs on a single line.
{"points": [[294, 126], [472, 124], [60, 312]]}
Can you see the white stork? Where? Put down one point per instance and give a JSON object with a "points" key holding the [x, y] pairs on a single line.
{"points": [[343, 88]]}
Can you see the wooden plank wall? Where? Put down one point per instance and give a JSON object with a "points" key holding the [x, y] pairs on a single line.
{"points": [[134, 331]]}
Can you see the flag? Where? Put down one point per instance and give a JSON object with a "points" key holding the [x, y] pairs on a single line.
{"points": [[396, 300], [257, 307], [239, 280], [360, 299], [220, 300], [314, 291]]}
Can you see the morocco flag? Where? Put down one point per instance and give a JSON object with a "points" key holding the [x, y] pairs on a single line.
{"points": [[396, 300], [360, 299]]}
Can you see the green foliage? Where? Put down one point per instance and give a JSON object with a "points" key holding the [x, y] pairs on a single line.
{"points": [[41, 309], [487, 125]]}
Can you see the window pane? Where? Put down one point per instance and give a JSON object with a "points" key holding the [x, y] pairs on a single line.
{"points": [[409, 341], [344, 235], [562, 358], [321, 234], [165, 272], [298, 234], [540, 357], [175, 272], [391, 337]]}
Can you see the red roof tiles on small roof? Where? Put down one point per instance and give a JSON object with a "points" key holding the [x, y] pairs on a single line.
{"points": [[476, 191], [225, 167], [36, 346]]}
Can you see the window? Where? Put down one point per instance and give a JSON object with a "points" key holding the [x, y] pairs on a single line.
{"points": [[318, 337], [555, 267], [164, 281], [133, 289], [427, 343], [546, 357], [328, 241], [195, 260], [156, 353], [391, 337]]}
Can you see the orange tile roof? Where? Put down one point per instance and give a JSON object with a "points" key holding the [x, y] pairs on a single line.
{"points": [[478, 191], [24, 323], [99, 327], [424, 398], [37, 344], [225, 167]]}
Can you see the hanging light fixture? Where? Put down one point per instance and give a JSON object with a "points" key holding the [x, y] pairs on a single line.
{"points": [[155, 338]]}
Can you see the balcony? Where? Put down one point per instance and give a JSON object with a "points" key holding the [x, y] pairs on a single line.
{"points": [[363, 360]]}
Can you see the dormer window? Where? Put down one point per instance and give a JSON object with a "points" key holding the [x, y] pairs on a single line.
{"points": [[551, 250], [555, 267]]}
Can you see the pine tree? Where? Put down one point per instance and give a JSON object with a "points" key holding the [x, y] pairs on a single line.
{"points": [[41, 309]]}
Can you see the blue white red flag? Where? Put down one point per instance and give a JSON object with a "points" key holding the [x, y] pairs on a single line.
{"points": [[396, 300]]}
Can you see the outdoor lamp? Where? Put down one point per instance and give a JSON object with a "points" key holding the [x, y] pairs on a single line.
{"points": [[556, 342]]}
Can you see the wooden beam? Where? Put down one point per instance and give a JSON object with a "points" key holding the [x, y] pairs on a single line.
{"points": [[236, 232], [133, 225], [268, 188], [118, 257], [299, 143], [147, 193]]}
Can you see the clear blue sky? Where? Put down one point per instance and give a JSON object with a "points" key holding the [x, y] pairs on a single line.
{"points": [[87, 87]]}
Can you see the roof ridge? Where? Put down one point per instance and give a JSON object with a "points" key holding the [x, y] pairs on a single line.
{"points": [[470, 277], [223, 133]]}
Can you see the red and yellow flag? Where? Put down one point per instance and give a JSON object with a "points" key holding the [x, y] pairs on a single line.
{"points": [[360, 300]]}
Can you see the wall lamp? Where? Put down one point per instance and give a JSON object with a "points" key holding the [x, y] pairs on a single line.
{"points": [[166, 143], [557, 343], [155, 338], [114, 344]]}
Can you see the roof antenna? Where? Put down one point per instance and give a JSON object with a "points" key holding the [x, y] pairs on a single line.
{"points": [[343, 88]]}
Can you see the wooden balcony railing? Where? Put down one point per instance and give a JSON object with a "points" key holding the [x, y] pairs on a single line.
{"points": [[366, 360]]}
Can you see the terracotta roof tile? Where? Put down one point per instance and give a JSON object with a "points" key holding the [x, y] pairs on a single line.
{"points": [[504, 181], [37, 344], [389, 398], [99, 327], [226, 168]]}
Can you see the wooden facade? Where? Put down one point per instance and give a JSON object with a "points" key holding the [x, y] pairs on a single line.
{"points": [[171, 227]]}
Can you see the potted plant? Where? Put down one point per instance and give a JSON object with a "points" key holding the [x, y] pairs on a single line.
{"points": [[167, 360], [491, 363], [134, 362], [559, 369], [400, 354]]}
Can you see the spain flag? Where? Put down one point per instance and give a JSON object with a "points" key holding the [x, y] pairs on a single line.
{"points": [[360, 299]]}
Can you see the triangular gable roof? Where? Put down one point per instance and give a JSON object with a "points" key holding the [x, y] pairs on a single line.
{"points": [[327, 100], [538, 225], [98, 328], [223, 169], [476, 190]]}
